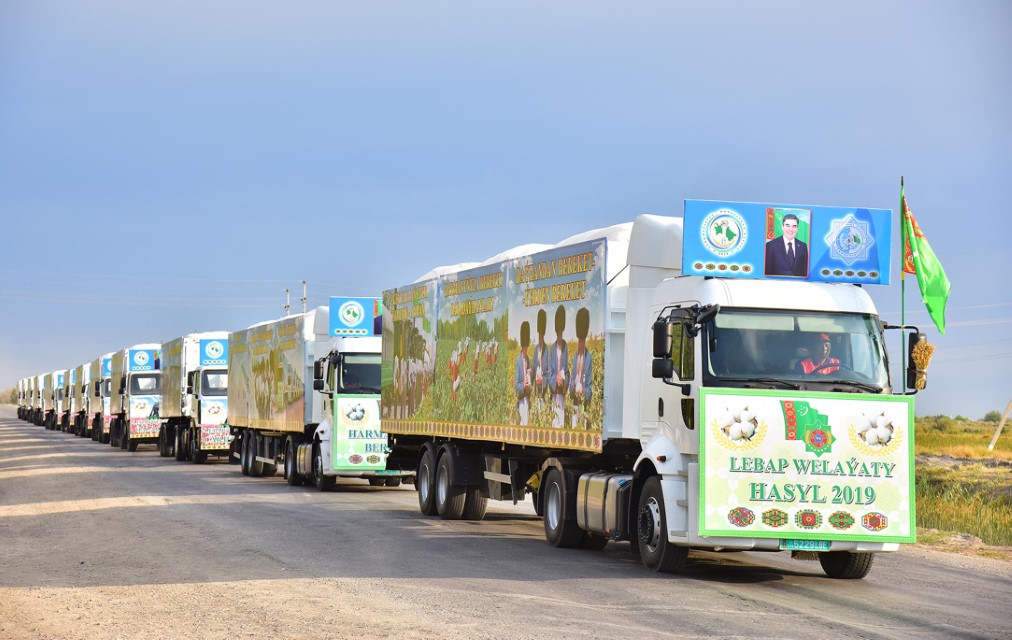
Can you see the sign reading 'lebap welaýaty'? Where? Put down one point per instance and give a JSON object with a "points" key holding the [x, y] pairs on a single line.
{"points": [[815, 466]]}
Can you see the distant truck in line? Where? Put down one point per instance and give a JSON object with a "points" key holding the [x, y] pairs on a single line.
{"points": [[303, 394], [195, 397], [54, 407], [137, 395], [99, 397]]}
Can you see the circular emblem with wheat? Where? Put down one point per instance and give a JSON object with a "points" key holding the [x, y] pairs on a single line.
{"points": [[738, 429], [875, 435]]}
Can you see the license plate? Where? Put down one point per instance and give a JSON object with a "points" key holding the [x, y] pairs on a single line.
{"points": [[804, 545]]}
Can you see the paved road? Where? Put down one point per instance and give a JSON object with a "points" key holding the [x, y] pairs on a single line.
{"points": [[101, 543]]}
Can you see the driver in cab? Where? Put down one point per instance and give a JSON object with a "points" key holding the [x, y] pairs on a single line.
{"points": [[820, 361]]}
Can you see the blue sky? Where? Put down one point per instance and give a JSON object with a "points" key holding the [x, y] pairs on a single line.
{"points": [[168, 167]]}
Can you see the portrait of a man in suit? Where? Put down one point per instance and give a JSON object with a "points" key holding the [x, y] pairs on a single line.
{"points": [[786, 255]]}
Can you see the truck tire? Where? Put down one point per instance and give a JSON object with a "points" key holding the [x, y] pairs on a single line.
{"points": [[322, 482], [124, 435], [291, 467], [475, 504], [244, 451], [178, 446], [164, 450], [196, 455], [256, 467], [425, 483], [846, 565], [131, 444], [377, 482], [651, 532], [393, 482], [450, 497], [561, 529]]}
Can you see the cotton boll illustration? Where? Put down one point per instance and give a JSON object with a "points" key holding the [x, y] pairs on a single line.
{"points": [[355, 413], [736, 431], [748, 429], [885, 434], [881, 421], [871, 436], [862, 424]]}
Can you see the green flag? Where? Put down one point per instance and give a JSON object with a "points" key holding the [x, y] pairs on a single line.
{"points": [[919, 259]]}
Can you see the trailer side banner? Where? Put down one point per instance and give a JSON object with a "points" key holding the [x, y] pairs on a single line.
{"points": [[806, 466], [511, 351]]}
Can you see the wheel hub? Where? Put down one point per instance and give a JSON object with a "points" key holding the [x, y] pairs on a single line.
{"points": [[650, 524]]}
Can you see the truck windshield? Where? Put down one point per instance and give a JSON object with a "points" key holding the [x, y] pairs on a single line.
{"points": [[145, 384], [214, 383], [360, 373], [791, 349]]}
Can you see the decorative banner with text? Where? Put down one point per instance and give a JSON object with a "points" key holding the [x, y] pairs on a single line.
{"points": [[511, 351], [359, 445], [806, 466], [799, 242]]}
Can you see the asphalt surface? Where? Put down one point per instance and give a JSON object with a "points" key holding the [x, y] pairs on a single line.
{"points": [[96, 542]]}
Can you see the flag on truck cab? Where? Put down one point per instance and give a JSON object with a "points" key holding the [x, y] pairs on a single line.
{"points": [[920, 260]]}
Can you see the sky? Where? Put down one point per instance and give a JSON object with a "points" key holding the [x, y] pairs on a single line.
{"points": [[168, 167]]}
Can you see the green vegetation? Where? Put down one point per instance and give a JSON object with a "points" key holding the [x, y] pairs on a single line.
{"points": [[9, 396], [969, 491], [942, 435], [992, 416]]}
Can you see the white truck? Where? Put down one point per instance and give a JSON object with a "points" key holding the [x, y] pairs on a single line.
{"points": [[80, 420], [99, 397], [36, 409], [22, 398], [636, 403], [54, 395], [68, 407], [303, 398], [137, 394], [195, 397]]}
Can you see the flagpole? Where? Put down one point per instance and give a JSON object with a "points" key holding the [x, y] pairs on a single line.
{"points": [[903, 286]]}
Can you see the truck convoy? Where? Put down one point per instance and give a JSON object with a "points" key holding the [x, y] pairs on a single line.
{"points": [[303, 394], [67, 407], [636, 402], [718, 381], [195, 397], [99, 397], [136, 396]]}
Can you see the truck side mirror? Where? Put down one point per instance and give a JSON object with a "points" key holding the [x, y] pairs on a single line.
{"points": [[317, 373], [317, 384], [97, 387], [189, 389], [662, 341], [663, 368]]}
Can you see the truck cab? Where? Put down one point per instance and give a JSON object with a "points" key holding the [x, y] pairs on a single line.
{"points": [[136, 396]]}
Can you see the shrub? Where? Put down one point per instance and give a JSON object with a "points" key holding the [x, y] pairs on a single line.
{"points": [[992, 416]]}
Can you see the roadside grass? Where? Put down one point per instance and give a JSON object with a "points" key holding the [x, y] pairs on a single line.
{"points": [[970, 491]]}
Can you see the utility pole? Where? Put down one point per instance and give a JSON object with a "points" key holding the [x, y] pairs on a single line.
{"points": [[303, 296], [288, 302]]}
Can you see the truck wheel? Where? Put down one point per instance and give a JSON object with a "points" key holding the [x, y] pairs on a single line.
{"points": [[244, 450], [256, 467], [425, 483], [450, 497], [393, 482], [561, 529], [322, 482], [377, 482], [652, 532], [291, 467], [131, 444], [845, 564], [475, 504], [196, 455], [163, 442], [124, 434], [178, 446]]}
